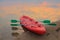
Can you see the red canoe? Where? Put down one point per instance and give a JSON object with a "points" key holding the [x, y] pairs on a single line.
{"points": [[32, 25]]}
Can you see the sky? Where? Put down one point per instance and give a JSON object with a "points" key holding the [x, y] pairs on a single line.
{"points": [[35, 2], [39, 9]]}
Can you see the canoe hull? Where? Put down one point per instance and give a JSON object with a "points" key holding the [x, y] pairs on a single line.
{"points": [[32, 25]]}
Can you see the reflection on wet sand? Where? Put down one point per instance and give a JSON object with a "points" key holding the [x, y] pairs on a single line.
{"points": [[14, 28], [15, 34]]}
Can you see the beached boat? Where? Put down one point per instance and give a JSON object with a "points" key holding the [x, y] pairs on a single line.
{"points": [[31, 25]]}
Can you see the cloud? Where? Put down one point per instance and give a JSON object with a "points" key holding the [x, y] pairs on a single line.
{"points": [[42, 11]]}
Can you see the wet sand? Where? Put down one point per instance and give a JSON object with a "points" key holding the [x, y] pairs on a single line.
{"points": [[19, 34]]}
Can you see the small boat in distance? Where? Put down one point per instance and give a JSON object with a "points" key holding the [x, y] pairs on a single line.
{"points": [[31, 25]]}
